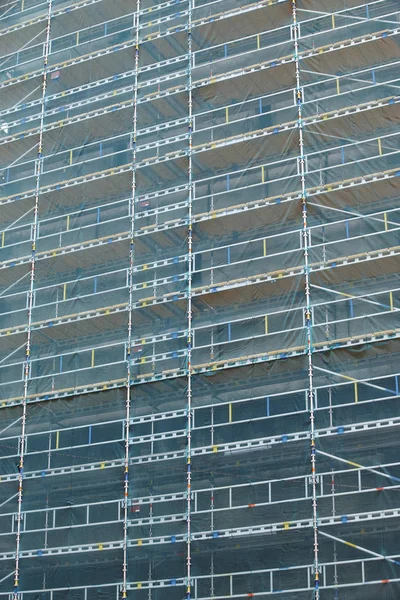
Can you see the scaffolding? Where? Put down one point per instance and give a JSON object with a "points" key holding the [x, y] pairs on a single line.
{"points": [[199, 299]]}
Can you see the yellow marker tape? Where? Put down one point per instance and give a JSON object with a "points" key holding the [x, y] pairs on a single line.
{"points": [[265, 247], [100, 546], [266, 325], [353, 464], [139, 586], [102, 465], [391, 300], [262, 175], [355, 392], [386, 221], [230, 413], [337, 86], [286, 525], [139, 542], [351, 545], [215, 448], [70, 157], [92, 363], [226, 115], [333, 22], [347, 376], [65, 292]]}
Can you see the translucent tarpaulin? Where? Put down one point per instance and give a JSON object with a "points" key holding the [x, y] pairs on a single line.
{"points": [[199, 299]]}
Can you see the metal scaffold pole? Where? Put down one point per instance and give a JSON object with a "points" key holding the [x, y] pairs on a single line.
{"points": [[307, 310], [31, 296], [133, 143], [189, 305]]}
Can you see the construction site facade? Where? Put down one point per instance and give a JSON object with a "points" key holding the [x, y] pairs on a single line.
{"points": [[199, 299]]}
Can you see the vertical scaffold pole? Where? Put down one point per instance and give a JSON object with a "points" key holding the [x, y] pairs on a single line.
{"points": [[307, 312], [189, 304], [130, 315], [27, 361]]}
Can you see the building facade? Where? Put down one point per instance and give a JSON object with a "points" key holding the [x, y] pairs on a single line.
{"points": [[199, 299]]}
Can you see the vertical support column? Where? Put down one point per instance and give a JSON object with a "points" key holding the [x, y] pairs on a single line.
{"points": [[130, 309], [31, 296], [307, 310], [189, 306]]}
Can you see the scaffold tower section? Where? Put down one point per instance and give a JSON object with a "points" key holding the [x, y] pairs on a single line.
{"points": [[199, 299]]}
